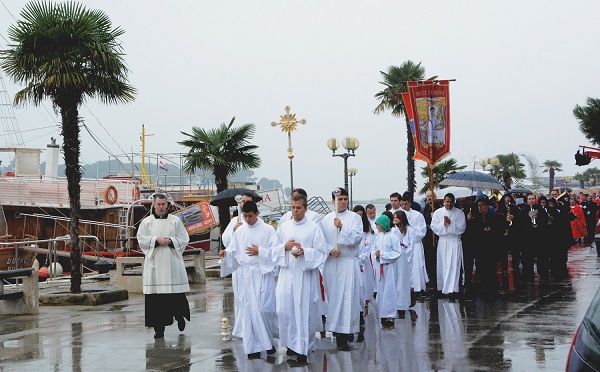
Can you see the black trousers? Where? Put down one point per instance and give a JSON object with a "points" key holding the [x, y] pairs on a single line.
{"points": [[160, 309]]}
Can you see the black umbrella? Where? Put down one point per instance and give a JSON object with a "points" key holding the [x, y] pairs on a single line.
{"points": [[519, 190], [227, 197]]}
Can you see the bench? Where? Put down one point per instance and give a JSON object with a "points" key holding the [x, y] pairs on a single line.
{"points": [[23, 301]]}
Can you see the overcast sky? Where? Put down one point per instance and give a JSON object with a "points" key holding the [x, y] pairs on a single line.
{"points": [[520, 68]]}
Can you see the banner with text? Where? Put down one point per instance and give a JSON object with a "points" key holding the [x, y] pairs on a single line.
{"points": [[197, 218], [430, 103]]}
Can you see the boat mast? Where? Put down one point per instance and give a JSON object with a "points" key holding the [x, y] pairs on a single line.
{"points": [[10, 126], [146, 179]]}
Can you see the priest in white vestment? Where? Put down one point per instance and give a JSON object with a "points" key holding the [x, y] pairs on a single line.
{"points": [[163, 238], [226, 238], [448, 223], [248, 255], [341, 272], [298, 249]]}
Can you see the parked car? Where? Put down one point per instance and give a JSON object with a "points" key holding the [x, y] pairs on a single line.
{"points": [[584, 354]]}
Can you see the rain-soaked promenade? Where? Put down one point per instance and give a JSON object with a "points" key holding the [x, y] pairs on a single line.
{"points": [[530, 329]]}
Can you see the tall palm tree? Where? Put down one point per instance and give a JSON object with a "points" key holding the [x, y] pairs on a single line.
{"points": [[510, 169], [551, 166], [224, 151], [390, 99], [589, 119], [67, 53], [440, 171]]}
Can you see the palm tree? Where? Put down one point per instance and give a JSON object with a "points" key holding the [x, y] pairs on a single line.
{"points": [[67, 53], [589, 119], [592, 174], [581, 177], [509, 169], [440, 171], [390, 98], [551, 166], [224, 151]]}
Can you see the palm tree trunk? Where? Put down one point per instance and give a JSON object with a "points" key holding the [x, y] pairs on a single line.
{"points": [[222, 185], [551, 181], [410, 162], [71, 150]]}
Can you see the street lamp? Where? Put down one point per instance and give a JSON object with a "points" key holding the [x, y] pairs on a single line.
{"points": [[493, 162], [350, 144], [352, 172], [288, 124]]}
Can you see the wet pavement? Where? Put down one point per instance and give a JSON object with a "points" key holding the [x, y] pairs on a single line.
{"points": [[528, 329]]}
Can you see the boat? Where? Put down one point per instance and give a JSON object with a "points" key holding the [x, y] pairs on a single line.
{"points": [[36, 206]]}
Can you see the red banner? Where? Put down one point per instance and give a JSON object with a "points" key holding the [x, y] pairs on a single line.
{"points": [[197, 217], [430, 103]]}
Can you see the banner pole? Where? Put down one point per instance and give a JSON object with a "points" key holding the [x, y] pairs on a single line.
{"points": [[430, 171]]}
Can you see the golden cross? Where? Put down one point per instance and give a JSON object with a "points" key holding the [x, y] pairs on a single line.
{"points": [[288, 124]]}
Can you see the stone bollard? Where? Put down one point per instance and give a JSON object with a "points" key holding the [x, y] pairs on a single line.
{"points": [[29, 303], [197, 273], [131, 282]]}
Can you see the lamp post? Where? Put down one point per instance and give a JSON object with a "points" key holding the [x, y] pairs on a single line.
{"points": [[288, 124], [352, 172], [350, 144]]}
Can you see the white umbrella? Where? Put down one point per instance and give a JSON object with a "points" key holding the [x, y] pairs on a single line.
{"points": [[457, 191], [472, 179]]}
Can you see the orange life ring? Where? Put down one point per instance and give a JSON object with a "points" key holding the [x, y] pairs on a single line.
{"points": [[111, 195], [135, 193]]}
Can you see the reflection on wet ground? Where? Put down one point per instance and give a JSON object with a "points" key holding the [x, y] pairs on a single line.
{"points": [[527, 329]]}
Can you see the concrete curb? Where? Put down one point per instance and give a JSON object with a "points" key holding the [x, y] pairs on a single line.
{"points": [[86, 298]]}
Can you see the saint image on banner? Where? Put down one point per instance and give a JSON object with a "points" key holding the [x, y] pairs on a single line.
{"points": [[432, 121]]}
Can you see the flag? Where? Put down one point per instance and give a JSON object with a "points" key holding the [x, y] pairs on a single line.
{"points": [[162, 166], [430, 101]]}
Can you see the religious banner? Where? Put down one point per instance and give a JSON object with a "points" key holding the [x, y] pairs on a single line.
{"points": [[197, 218], [430, 101]]}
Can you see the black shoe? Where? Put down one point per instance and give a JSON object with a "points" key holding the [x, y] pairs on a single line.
{"points": [[159, 335], [181, 324], [413, 298], [272, 351], [401, 314], [323, 334], [254, 355], [290, 352], [302, 359], [294, 363], [361, 337]]}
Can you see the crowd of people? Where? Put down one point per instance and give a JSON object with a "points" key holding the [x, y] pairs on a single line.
{"points": [[320, 274]]}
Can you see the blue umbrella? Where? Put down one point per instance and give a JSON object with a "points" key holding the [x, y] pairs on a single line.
{"points": [[472, 179]]}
